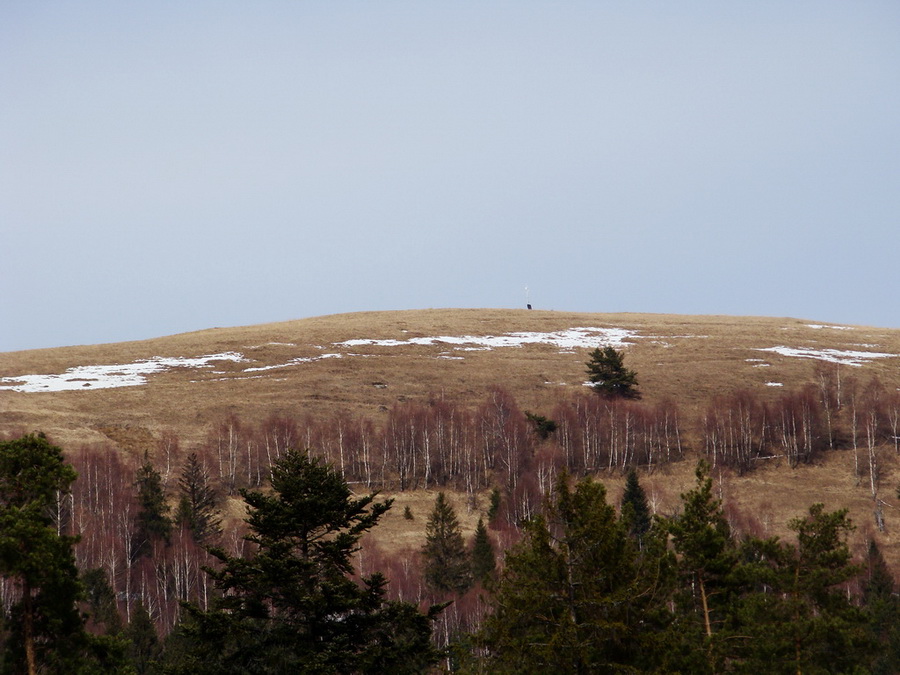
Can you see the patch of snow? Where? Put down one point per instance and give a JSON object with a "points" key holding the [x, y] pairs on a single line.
{"points": [[819, 326], [845, 357], [567, 339], [110, 376], [774, 384], [293, 362]]}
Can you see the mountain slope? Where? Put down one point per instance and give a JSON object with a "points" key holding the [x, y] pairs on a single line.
{"points": [[363, 363]]}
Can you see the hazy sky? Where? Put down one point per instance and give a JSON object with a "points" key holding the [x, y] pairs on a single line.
{"points": [[170, 166]]}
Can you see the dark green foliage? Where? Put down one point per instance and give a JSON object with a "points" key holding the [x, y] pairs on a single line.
{"points": [[572, 597], [494, 505], [152, 522], [45, 632], [543, 426], [445, 558], [635, 509], [407, 512], [103, 611], [795, 616], [609, 376], [484, 562], [292, 606], [882, 609], [144, 648], [825, 626], [707, 565], [198, 502]]}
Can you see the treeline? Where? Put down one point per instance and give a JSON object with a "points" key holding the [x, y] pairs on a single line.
{"points": [[445, 444], [442, 444]]}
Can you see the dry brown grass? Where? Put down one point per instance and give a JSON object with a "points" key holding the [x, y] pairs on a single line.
{"points": [[688, 359]]}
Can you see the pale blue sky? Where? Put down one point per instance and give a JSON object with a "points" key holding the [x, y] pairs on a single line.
{"points": [[171, 166]]}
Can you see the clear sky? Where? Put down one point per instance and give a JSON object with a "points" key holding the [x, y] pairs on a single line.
{"points": [[172, 166]]}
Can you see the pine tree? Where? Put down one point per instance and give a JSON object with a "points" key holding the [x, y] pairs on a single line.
{"points": [[484, 563], [152, 521], [798, 617], [45, 632], [198, 502], [292, 604], [707, 563], [571, 598], [446, 562], [609, 376], [635, 509], [825, 626]]}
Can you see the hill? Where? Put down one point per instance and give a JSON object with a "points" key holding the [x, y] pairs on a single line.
{"points": [[130, 395], [365, 362]]}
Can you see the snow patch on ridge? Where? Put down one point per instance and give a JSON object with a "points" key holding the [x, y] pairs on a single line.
{"points": [[293, 362], [134, 374], [845, 357], [572, 338], [818, 326]]}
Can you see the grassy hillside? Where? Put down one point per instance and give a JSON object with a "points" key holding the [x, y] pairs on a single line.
{"points": [[324, 365]]}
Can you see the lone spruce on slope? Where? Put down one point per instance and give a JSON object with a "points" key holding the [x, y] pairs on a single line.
{"points": [[608, 375]]}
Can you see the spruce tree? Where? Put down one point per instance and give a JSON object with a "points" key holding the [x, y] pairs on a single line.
{"points": [[152, 521], [144, 648], [608, 375], [446, 561], [494, 504], [103, 610], [484, 563], [198, 502], [635, 509], [292, 605]]}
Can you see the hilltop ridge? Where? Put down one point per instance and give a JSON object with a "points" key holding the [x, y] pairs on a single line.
{"points": [[364, 362]]}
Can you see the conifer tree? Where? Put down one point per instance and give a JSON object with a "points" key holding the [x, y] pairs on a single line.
{"points": [[494, 504], [571, 597], [198, 501], [152, 521], [45, 632], [635, 509], [103, 611], [882, 609], [292, 605], [484, 563], [798, 617], [144, 648], [446, 561], [608, 375], [826, 628], [707, 565]]}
